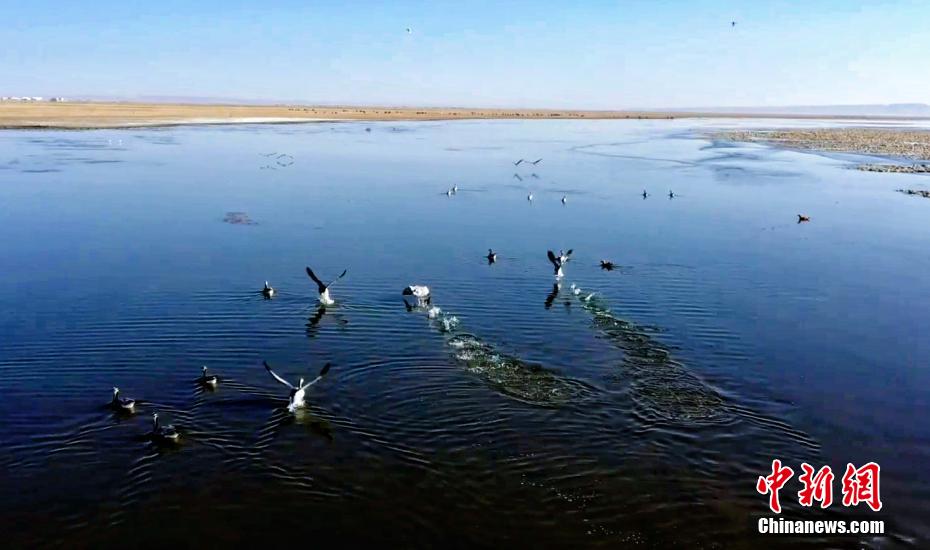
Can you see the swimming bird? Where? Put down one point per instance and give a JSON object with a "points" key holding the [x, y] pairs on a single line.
{"points": [[670, 194], [564, 199], [492, 256], [295, 398], [558, 261], [267, 292], [518, 162], [449, 193], [535, 162], [530, 196], [455, 188], [803, 218], [164, 434], [645, 194], [122, 403], [409, 30], [208, 379], [607, 265], [323, 287]]}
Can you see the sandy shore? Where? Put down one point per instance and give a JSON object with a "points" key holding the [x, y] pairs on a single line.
{"points": [[77, 115], [890, 142]]}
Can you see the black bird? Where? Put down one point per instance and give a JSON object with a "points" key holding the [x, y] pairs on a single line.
{"points": [[535, 162], [208, 379], [324, 287], [492, 256], [518, 162], [559, 261], [645, 194], [803, 218], [732, 23], [607, 265], [671, 195]]}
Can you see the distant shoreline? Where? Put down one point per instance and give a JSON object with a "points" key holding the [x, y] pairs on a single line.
{"points": [[98, 115]]}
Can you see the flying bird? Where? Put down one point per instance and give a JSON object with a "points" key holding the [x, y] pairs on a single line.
{"points": [[518, 162], [607, 265], [535, 162], [559, 261], [803, 218], [529, 197], [645, 194], [324, 287], [295, 398], [671, 195]]}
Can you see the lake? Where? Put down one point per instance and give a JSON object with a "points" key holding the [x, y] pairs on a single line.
{"points": [[639, 411]]}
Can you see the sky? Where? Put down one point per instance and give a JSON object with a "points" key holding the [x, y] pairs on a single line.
{"points": [[590, 54]]}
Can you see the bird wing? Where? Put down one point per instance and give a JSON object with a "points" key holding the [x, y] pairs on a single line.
{"points": [[553, 259], [569, 253], [319, 283], [276, 377], [318, 377], [344, 271]]}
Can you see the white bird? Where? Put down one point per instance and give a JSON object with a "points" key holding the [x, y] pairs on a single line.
{"points": [[559, 261], [296, 395], [324, 287], [166, 434], [418, 293], [208, 379], [267, 292], [564, 199], [122, 403]]}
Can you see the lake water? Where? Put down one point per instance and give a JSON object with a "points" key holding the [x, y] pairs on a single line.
{"points": [[729, 335]]}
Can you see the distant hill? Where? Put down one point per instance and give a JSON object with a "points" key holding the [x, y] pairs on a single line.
{"points": [[893, 109]]}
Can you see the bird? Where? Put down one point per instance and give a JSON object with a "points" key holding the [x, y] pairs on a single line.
{"points": [[529, 197], [518, 177], [324, 288], [535, 162], [492, 256], [208, 379], [449, 193], [732, 23], [564, 199], [455, 188], [420, 293], [645, 194], [367, 129], [671, 195], [164, 434], [559, 261], [267, 292], [295, 398], [409, 30], [123, 404], [803, 218], [518, 162], [607, 265]]}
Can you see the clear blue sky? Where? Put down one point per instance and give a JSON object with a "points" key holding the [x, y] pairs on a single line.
{"points": [[590, 54]]}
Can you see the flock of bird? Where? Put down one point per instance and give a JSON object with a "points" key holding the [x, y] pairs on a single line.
{"points": [[414, 296]]}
